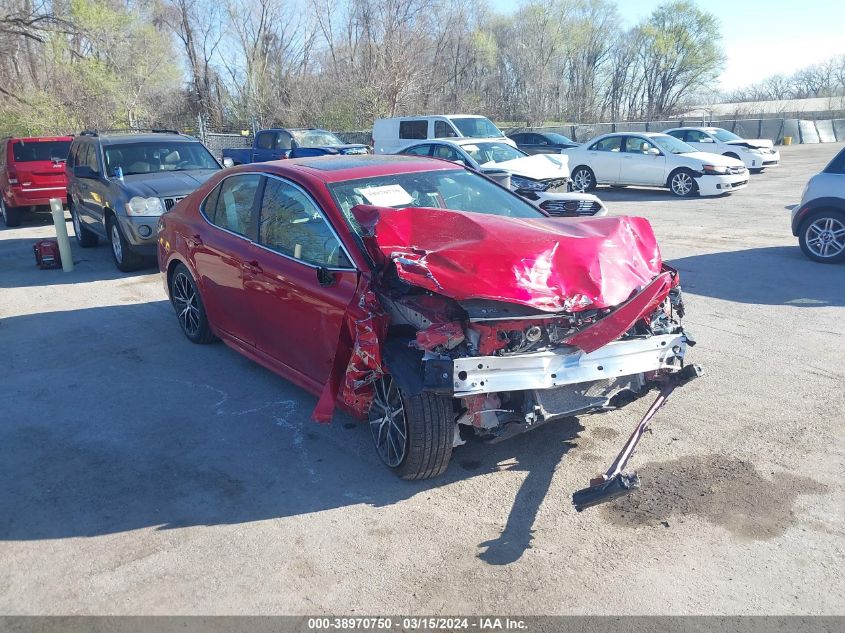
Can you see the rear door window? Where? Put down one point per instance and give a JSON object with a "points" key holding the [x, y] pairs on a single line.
{"points": [[413, 129], [610, 144], [235, 203], [418, 150]]}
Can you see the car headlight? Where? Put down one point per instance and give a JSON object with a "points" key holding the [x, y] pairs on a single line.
{"points": [[714, 170], [526, 184], [144, 206], [753, 150]]}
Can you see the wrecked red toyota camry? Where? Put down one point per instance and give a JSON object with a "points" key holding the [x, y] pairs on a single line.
{"points": [[427, 299]]}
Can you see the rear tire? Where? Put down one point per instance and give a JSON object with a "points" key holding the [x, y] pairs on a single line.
{"points": [[583, 179], [190, 310], [682, 183], [822, 236], [84, 236], [11, 215], [124, 257], [413, 435]]}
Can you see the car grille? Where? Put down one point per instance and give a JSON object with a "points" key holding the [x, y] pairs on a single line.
{"points": [[736, 170], [570, 208], [169, 203]]}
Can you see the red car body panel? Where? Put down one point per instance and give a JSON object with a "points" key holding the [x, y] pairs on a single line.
{"points": [[26, 183], [329, 339], [551, 264]]}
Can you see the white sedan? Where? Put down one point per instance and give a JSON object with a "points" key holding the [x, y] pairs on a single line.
{"points": [[542, 178], [757, 154], [655, 160]]}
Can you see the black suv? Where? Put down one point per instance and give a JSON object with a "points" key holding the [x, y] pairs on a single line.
{"points": [[120, 183]]}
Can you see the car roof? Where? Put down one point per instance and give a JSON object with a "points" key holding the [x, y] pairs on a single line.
{"points": [[342, 168], [461, 140], [37, 139], [124, 138]]}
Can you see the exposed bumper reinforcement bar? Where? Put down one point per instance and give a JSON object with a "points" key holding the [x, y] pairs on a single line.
{"points": [[613, 483], [566, 366]]}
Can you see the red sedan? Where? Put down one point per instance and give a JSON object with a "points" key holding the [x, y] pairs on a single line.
{"points": [[423, 297]]}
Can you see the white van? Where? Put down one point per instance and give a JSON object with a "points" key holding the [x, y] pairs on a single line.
{"points": [[393, 135]]}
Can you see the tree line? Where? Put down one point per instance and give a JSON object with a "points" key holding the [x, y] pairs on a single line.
{"points": [[826, 79], [72, 64]]}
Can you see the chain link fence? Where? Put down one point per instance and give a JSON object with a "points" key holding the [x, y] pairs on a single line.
{"points": [[797, 130]]}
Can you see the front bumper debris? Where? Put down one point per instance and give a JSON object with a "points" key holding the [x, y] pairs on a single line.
{"points": [[475, 375], [614, 483]]}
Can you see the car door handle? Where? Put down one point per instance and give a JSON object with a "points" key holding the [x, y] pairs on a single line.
{"points": [[252, 267]]}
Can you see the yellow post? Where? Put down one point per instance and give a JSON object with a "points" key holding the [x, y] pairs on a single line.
{"points": [[58, 212]]}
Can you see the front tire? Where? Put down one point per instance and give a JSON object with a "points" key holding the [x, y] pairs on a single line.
{"points": [[583, 179], [190, 310], [682, 183], [413, 435], [124, 257], [84, 236], [11, 215], [822, 236]]}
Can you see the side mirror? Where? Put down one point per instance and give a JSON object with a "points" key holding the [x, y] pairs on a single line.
{"points": [[228, 162], [325, 277], [654, 151], [84, 171]]}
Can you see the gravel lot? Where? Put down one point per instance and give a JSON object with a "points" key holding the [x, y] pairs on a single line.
{"points": [[143, 474]]}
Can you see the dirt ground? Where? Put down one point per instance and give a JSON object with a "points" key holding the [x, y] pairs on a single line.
{"points": [[143, 474]]}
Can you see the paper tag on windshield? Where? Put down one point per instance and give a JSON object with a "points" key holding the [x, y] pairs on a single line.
{"points": [[387, 196]]}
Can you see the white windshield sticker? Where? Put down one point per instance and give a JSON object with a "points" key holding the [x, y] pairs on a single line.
{"points": [[387, 196]]}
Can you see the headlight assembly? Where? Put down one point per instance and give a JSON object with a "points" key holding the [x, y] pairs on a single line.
{"points": [[144, 206], [526, 184], [714, 170]]}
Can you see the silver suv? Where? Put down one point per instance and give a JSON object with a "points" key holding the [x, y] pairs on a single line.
{"points": [[119, 185], [819, 221]]}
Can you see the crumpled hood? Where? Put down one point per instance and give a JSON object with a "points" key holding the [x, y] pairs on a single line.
{"points": [[165, 184], [538, 167], [551, 264], [753, 142]]}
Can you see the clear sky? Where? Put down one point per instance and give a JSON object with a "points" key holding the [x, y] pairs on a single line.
{"points": [[759, 37]]}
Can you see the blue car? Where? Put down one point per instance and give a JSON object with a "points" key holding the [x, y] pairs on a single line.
{"points": [[280, 143]]}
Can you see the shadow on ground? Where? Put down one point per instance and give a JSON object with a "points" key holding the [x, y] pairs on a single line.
{"points": [[776, 275], [18, 268], [117, 423]]}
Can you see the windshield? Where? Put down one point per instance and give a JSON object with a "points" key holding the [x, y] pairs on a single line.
{"points": [[457, 190], [477, 127], [671, 145], [556, 138], [315, 138], [724, 135], [29, 152], [146, 158], [485, 153]]}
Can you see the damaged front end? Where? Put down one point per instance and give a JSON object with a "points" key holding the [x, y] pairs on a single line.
{"points": [[518, 321]]}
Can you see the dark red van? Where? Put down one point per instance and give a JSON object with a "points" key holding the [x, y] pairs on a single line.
{"points": [[32, 170]]}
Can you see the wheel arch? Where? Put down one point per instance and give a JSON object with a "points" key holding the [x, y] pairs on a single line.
{"points": [[836, 205]]}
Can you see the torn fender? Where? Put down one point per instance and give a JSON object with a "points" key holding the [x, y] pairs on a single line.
{"points": [[550, 264]]}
